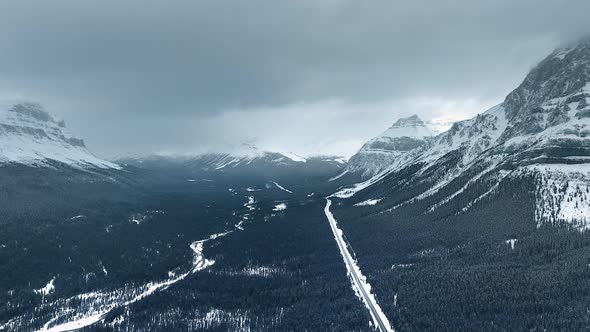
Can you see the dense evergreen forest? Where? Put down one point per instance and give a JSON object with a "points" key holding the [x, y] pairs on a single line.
{"points": [[113, 234], [276, 265], [489, 268]]}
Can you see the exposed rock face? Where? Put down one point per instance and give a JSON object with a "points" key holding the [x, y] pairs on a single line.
{"points": [[379, 153], [31, 136], [541, 129], [554, 92]]}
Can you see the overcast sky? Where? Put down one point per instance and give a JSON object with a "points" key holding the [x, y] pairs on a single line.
{"points": [[140, 77]]}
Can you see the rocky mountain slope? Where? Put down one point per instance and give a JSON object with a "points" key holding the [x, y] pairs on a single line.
{"points": [[540, 131], [30, 136], [377, 154]]}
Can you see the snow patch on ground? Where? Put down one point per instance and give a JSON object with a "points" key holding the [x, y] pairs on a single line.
{"points": [[338, 176], [462, 189], [369, 202], [563, 194], [511, 243], [231, 320], [257, 271], [282, 188], [104, 270], [490, 191], [280, 207], [355, 188], [47, 290], [401, 266], [139, 218], [250, 203], [261, 271], [294, 157]]}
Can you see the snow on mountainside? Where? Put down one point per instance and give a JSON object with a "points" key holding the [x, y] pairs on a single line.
{"points": [[246, 157], [31, 136], [380, 152], [542, 129]]}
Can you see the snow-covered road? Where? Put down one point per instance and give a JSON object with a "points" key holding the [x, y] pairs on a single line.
{"points": [[358, 280]]}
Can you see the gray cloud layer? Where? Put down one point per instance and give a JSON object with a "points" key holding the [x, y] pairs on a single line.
{"points": [[160, 75]]}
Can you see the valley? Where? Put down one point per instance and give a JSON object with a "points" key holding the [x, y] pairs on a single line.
{"points": [[481, 227], [112, 267]]}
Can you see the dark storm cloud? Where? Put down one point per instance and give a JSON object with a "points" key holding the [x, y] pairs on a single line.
{"points": [[142, 64]]}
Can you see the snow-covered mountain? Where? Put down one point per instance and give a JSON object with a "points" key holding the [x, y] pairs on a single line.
{"points": [[31, 136], [246, 155], [540, 131], [380, 152], [247, 158]]}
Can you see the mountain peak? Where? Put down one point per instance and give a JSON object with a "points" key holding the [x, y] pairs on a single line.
{"points": [[29, 135], [380, 152], [564, 50], [564, 72], [33, 110], [552, 95], [411, 121], [411, 126]]}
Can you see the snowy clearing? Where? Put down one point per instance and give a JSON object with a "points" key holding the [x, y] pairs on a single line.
{"points": [[280, 207], [338, 176], [282, 188], [511, 243], [48, 289], [368, 202]]}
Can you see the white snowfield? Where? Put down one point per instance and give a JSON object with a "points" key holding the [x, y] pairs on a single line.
{"points": [[355, 188], [282, 188], [280, 207], [48, 289], [338, 176], [294, 157], [369, 202], [359, 282], [250, 203], [511, 243], [30, 136], [564, 194]]}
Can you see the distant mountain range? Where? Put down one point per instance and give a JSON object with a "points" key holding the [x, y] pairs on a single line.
{"points": [[246, 161], [31, 136]]}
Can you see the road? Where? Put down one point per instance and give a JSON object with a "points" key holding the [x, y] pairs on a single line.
{"points": [[376, 313]]}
